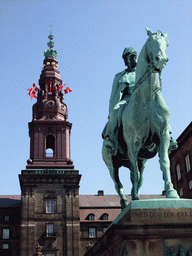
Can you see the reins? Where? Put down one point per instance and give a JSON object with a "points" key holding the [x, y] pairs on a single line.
{"points": [[148, 72]]}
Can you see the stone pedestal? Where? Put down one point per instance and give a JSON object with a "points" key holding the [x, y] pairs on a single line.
{"points": [[149, 227]]}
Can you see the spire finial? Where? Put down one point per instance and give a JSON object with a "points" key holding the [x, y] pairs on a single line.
{"points": [[50, 29], [50, 51]]}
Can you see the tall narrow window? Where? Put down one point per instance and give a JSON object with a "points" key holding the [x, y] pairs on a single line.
{"points": [[190, 184], [178, 172], [5, 233], [49, 206], [181, 192], [92, 233], [187, 162], [49, 229], [50, 146]]}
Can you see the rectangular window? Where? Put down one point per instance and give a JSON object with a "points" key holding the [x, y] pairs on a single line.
{"points": [[5, 246], [50, 206], [92, 233], [104, 230], [5, 233], [178, 172], [187, 162], [49, 229], [190, 184], [6, 218], [181, 192]]}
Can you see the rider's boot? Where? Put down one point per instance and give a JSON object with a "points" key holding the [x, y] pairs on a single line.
{"points": [[109, 145], [173, 144]]}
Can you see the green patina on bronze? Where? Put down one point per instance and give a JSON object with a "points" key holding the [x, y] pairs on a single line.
{"points": [[50, 52], [139, 119]]}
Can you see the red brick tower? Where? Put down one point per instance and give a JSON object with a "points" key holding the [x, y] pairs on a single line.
{"points": [[50, 185]]}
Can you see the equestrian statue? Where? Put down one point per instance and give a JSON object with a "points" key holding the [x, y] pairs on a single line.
{"points": [[139, 120]]}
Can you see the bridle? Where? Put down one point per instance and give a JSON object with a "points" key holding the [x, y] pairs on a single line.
{"points": [[151, 69]]}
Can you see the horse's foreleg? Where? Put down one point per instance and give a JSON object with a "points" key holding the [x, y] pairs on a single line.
{"points": [[135, 174], [114, 173], [141, 166], [165, 165]]}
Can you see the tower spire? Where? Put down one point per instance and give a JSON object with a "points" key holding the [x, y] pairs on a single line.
{"points": [[50, 115], [50, 52]]}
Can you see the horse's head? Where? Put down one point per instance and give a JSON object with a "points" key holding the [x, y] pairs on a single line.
{"points": [[156, 49]]}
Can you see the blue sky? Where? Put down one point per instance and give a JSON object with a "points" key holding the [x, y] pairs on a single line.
{"points": [[89, 36]]}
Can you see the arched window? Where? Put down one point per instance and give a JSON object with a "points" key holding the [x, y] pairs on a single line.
{"points": [[50, 146], [104, 216], [91, 216]]}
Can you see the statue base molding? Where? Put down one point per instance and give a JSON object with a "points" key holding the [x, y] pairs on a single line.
{"points": [[154, 227]]}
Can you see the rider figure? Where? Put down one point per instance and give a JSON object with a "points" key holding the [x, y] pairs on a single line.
{"points": [[122, 89]]}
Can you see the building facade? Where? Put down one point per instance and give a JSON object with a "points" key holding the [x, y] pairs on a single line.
{"points": [[10, 221], [181, 165], [96, 213]]}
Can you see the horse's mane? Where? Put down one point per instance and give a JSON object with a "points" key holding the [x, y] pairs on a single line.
{"points": [[142, 59]]}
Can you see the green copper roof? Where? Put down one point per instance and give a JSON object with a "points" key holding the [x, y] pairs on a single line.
{"points": [[50, 52]]}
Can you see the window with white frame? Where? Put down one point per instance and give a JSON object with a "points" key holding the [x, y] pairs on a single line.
{"points": [[190, 184], [6, 233], [49, 229], [5, 246], [187, 162], [181, 192], [49, 206], [92, 232], [178, 172]]}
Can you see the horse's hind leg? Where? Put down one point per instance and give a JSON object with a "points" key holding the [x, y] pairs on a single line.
{"points": [[165, 165], [114, 172]]}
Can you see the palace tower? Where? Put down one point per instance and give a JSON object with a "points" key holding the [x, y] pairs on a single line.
{"points": [[50, 185]]}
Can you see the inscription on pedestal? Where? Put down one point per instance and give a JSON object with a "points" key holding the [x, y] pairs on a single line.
{"points": [[153, 214], [161, 215]]}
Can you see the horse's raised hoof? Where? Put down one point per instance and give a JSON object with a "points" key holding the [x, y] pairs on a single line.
{"points": [[123, 203]]}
